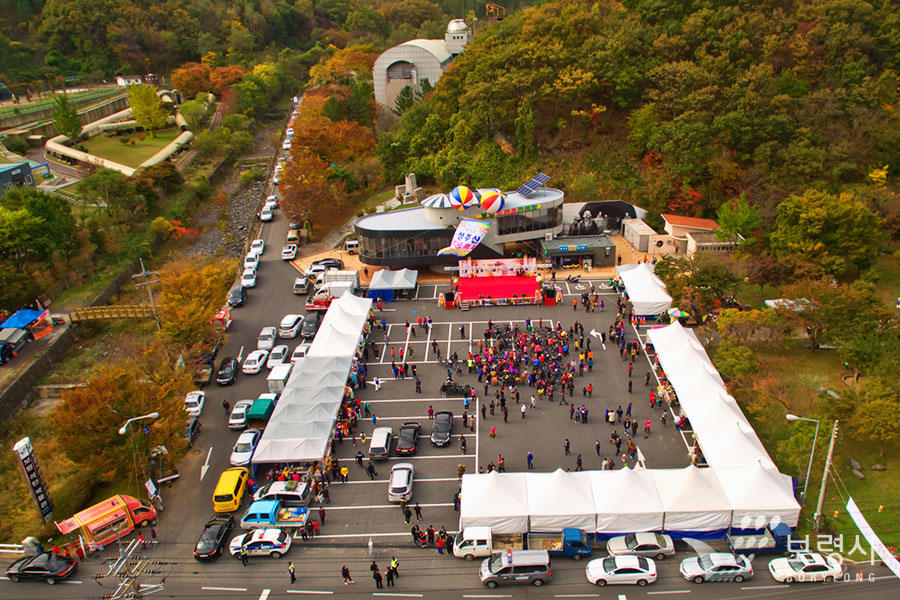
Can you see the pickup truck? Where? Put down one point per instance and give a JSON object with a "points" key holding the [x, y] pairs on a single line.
{"points": [[271, 513], [475, 542], [203, 375], [328, 293]]}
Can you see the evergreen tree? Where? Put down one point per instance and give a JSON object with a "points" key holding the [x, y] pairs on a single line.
{"points": [[65, 117]]}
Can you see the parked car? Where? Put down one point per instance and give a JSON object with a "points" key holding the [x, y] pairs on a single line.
{"points": [[261, 542], [313, 271], [276, 179], [258, 246], [191, 430], [271, 203], [248, 278], [442, 428], [286, 145], [251, 261], [301, 286], [407, 439], [266, 214], [806, 567], [400, 483], [311, 324], [290, 132], [290, 326], [642, 544], [45, 566], [212, 538], [227, 371], [615, 570], [255, 362], [330, 263], [289, 252], [244, 447], [266, 339], [193, 403], [277, 356], [716, 566], [300, 352], [237, 295], [238, 418]]}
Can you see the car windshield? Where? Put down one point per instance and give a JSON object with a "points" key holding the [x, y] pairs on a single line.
{"points": [[609, 564], [705, 562], [243, 447], [264, 337], [495, 563], [630, 541], [191, 403]]}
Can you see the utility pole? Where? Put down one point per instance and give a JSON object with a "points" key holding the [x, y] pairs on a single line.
{"points": [[818, 515], [145, 279]]}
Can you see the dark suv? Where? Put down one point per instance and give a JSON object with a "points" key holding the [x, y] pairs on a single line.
{"points": [[237, 295], [443, 426], [227, 371]]}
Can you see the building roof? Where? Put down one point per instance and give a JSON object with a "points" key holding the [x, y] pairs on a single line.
{"points": [[639, 226], [438, 48], [457, 26], [588, 241], [405, 219], [10, 167], [706, 237], [690, 222]]}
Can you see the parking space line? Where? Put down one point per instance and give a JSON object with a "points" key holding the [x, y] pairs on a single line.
{"points": [[308, 592], [410, 417], [621, 596], [265, 594], [402, 595], [671, 592], [449, 339], [224, 589], [393, 506], [487, 595], [764, 587], [417, 479], [427, 344]]}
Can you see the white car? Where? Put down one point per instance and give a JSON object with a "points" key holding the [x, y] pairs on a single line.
{"points": [[244, 447], [238, 418], [805, 568], [642, 544], [286, 145], [289, 252], [616, 570], [258, 247], [290, 132], [255, 362], [716, 566], [277, 179], [314, 271], [272, 201], [248, 278], [266, 339], [261, 542], [400, 483], [300, 352], [266, 215], [277, 356], [251, 261], [290, 326], [193, 403]]}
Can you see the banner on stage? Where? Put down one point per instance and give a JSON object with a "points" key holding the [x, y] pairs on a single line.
{"points": [[468, 235], [498, 267]]}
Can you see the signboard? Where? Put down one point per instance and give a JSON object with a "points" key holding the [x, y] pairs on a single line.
{"points": [[152, 490], [39, 490], [510, 211], [468, 235], [579, 248]]}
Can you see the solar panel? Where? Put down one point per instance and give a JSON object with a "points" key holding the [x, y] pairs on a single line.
{"points": [[529, 187]]}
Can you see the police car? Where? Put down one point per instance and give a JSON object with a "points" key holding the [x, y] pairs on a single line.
{"points": [[261, 542]]}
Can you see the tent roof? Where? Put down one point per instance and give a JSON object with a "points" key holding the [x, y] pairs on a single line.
{"points": [[558, 500], [733, 445], [689, 490], [610, 487], [499, 500], [647, 293], [384, 279], [22, 319], [756, 494], [340, 331]]}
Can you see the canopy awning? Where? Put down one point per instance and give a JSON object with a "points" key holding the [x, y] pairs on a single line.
{"points": [[645, 290], [385, 279]]}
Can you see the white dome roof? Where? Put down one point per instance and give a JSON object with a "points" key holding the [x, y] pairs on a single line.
{"points": [[456, 26]]}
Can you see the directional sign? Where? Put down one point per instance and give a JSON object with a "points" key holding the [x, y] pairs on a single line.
{"points": [[36, 482]]}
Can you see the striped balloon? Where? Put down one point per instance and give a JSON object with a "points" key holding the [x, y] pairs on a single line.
{"points": [[461, 196], [492, 201]]}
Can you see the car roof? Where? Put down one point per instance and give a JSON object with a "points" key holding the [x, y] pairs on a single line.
{"points": [[402, 466], [291, 318], [812, 558], [243, 403], [645, 538], [270, 330], [628, 560], [263, 534], [248, 434]]}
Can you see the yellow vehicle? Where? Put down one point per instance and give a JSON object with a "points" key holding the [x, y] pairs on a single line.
{"points": [[230, 490]]}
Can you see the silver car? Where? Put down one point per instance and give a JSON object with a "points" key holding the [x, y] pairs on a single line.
{"points": [[716, 566], [400, 483], [238, 418], [653, 545]]}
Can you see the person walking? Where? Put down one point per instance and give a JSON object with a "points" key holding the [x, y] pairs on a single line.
{"points": [[523, 410], [597, 447], [430, 412], [578, 466], [226, 406], [345, 474], [440, 545], [530, 459], [371, 471], [322, 514], [244, 555], [345, 573], [418, 511], [407, 515], [418, 386], [506, 414], [389, 575], [376, 575], [359, 458], [291, 572], [647, 426], [629, 385], [395, 566], [566, 446]]}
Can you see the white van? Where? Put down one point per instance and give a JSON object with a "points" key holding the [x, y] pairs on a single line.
{"points": [[351, 246], [289, 493], [382, 439]]}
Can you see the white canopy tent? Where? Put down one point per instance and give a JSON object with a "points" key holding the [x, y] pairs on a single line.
{"points": [[759, 496], [645, 290], [693, 501], [733, 445], [342, 328], [558, 500], [495, 500], [625, 501], [386, 284]]}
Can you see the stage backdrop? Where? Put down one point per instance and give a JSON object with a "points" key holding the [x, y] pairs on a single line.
{"points": [[498, 267]]}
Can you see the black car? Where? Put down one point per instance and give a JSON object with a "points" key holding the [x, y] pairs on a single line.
{"points": [[191, 430], [212, 540], [407, 439], [330, 263], [43, 567], [311, 324], [443, 425], [227, 371], [237, 295]]}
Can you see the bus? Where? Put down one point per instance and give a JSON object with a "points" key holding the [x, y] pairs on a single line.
{"points": [[109, 520]]}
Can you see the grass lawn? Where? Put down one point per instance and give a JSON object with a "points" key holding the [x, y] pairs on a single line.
{"points": [[132, 156]]}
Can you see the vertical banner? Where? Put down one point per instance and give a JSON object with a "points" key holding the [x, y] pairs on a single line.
{"points": [[468, 235], [877, 545], [39, 490]]}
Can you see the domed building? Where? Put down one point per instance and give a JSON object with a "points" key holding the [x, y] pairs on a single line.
{"points": [[416, 60]]}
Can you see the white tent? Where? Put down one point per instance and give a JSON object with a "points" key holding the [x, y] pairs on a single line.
{"points": [[495, 500], [645, 290], [625, 501], [693, 500], [558, 500], [733, 444], [759, 496], [385, 283], [341, 329]]}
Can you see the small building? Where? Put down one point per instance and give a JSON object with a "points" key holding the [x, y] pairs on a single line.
{"points": [[408, 64], [17, 174], [580, 252], [643, 237], [678, 227], [707, 241], [129, 80]]}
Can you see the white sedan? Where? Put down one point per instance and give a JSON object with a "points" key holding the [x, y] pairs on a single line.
{"points": [[286, 145], [805, 568], [266, 339], [277, 356], [266, 214], [193, 403], [615, 570], [251, 261], [238, 418], [248, 278], [255, 362], [244, 447], [289, 252], [300, 352], [642, 544], [258, 246]]}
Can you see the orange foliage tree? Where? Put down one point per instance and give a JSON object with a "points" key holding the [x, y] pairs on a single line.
{"points": [[307, 195], [192, 78], [192, 293], [337, 142], [223, 77], [352, 61]]}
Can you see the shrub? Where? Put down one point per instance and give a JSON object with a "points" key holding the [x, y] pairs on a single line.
{"points": [[17, 146], [124, 141], [250, 175]]}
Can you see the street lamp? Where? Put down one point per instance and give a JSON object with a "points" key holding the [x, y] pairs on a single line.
{"points": [[812, 453], [124, 429]]}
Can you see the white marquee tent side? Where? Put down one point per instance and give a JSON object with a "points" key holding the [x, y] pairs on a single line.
{"points": [[625, 501], [495, 500], [645, 290], [558, 500]]}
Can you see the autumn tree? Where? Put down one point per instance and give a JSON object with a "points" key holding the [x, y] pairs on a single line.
{"points": [[749, 327], [737, 218], [353, 61], [147, 108], [877, 415], [339, 142], [222, 78], [734, 361], [65, 117], [307, 195], [192, 78], [110, 190], [191, 294]]}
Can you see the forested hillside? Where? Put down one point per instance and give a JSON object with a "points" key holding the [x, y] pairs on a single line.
{"points": [[676, 105]]}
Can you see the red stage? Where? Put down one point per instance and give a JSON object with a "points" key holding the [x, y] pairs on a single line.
{"points": [[473, 289]]}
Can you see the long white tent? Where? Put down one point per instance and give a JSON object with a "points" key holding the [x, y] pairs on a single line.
{"points": [[496, 500], [558, 500], [626, 501], [645, 290]]}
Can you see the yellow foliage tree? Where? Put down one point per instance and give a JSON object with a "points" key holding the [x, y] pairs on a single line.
{"points": [[192, 293], [353, 61]]}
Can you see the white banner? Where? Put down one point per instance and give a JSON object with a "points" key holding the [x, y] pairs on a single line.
{"points": [[469, 234], [877, 545]]}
